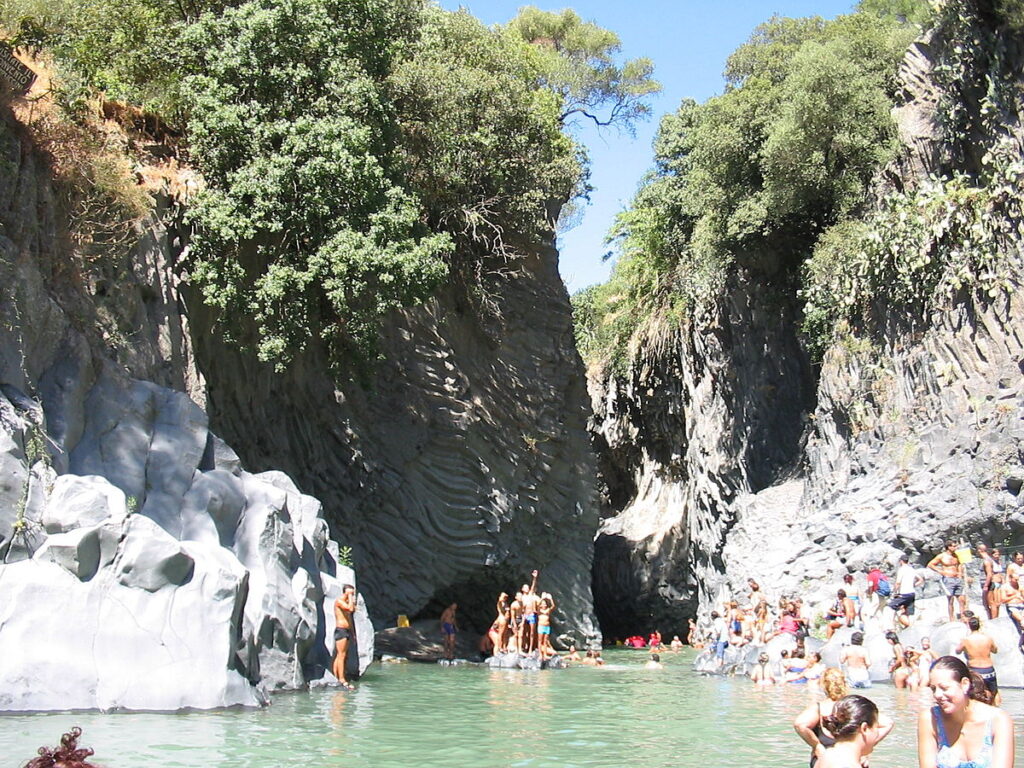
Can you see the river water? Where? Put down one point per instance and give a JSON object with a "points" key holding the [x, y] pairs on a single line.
{"points": [[427, 715]]}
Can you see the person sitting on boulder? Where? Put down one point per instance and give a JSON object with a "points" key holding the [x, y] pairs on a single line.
{"points": [[67, 755]]}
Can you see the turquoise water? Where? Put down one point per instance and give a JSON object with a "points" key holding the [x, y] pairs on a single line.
{"points": [[412, 715]]}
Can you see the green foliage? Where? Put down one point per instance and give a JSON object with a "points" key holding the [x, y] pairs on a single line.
{"points": [[921, 250], [303, 225], [917, 12], [752, 177], [345, 557], [576, 60], [480, 144]]}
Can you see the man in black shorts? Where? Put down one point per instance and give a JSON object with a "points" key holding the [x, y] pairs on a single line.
{"points": [[979, 647], [902, 602]]}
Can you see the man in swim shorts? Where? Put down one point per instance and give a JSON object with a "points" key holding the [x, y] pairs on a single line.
{"points": [[951, 577], [530, 601], [449, 626], [857, 662], [344, 607], [979, 647], [902, 602]]}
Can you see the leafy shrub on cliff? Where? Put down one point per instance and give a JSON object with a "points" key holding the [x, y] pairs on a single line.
{"points": [[751, 177]]}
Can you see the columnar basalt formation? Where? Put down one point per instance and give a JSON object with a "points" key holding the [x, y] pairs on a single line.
{"points": [[723, 461], [461, 466]]}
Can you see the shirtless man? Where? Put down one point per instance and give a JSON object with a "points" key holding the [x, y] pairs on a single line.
{"points": [[654, 663], [951, 576], [515, 624], [857, 662], [449, 626], [344, 607], [978, 648], [530, 600]]}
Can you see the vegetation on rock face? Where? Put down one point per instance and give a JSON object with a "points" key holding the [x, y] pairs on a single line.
{"points": [[751, 177], [771, 178], [354, 152]]}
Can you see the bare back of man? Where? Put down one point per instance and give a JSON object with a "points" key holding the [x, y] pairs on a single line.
{"points": [[344, 607], [857, 662], [979, 647]]}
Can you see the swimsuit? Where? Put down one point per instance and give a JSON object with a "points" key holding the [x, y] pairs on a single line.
{"points": [[341, 633], [858, 677], [952, 586], [531, 618], [945, 757], [988, 674], [448, 628], [545, 630], [824, 737]]}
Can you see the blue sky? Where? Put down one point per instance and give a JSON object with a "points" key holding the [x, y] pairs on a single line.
{"points": [[689, 41]]}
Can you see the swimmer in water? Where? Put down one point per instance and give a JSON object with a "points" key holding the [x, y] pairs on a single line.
{"points": [[762, 674], [808, 724], [654, 662]]}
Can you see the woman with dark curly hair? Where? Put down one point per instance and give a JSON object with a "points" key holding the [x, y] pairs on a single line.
{"points": [[67, 755], [856, 727]]}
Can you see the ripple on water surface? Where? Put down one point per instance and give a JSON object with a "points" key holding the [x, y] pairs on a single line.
{"points": [[424, 715]]}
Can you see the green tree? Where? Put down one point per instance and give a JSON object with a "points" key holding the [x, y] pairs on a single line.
{"points": [[303, 225], [577, 60]]}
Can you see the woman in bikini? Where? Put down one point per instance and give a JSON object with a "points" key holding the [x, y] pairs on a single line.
{"points": [[899, 667], [498, 629], [544, 609], [962, 730]]}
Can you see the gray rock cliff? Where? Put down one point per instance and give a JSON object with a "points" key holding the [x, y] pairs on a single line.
{"points": [[141, 566], [729, 457]]}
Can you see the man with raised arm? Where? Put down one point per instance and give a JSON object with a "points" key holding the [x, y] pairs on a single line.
{"points": [[951, 577], [530, 601], [344, 607]]}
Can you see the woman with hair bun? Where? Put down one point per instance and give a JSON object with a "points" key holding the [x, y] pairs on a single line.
{"points": [[809, 724], [962, 730], [856, 727]]}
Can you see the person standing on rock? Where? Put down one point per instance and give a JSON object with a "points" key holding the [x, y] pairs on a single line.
{"points": [[902, 602], [994, 574], [449, 626], [978, 647], [951, 576], [497, 632], [344, 607], [530, 600]]}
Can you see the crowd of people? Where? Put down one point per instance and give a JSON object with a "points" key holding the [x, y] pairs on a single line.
{"points": [[875, 597]]}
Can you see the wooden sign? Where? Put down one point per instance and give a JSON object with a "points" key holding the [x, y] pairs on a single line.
{"points": [[17, 75]]}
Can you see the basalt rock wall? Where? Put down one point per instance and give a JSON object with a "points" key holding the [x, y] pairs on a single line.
{"points": [[459, 467], [142, 566], [729, 458], [717, 412]]}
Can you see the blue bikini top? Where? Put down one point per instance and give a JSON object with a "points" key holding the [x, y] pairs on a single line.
{"points": [[945, 757]]}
